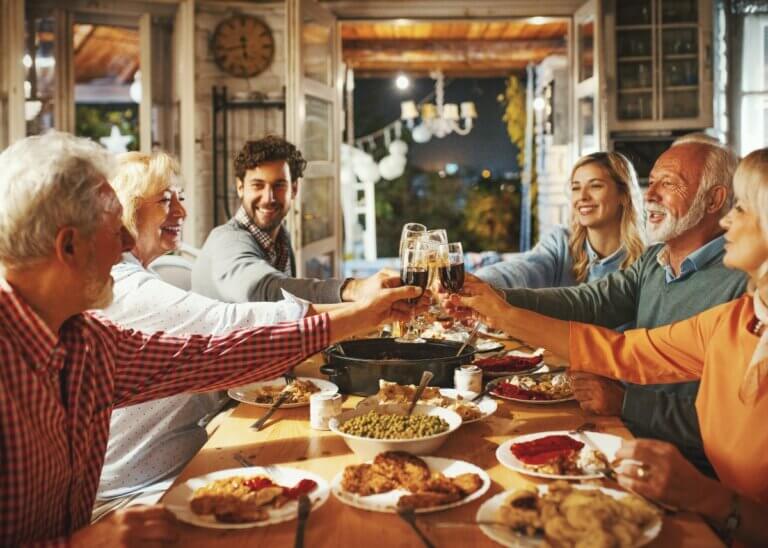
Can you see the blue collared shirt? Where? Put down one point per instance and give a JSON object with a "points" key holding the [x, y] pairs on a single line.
{"points": [[693, 262]]}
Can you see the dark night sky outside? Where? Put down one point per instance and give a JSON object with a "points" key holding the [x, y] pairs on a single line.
{"points": [[377, 102]]}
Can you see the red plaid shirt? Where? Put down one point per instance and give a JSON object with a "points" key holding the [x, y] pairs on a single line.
{"points": [[57, 394]]}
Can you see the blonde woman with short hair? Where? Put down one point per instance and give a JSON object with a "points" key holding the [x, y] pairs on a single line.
{"points": [[151, 441], [605, 233]]}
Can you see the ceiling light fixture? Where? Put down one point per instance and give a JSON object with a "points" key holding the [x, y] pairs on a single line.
{"points": [[402, 82], [438, 119]]}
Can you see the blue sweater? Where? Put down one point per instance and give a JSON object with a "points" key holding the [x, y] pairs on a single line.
{"points": [[548, 264]]}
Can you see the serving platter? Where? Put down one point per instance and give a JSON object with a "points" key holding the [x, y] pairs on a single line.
{"points": [[538, 374]]}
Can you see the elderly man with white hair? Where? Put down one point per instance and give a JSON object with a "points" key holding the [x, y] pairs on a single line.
{"points": [[64, 370], [690, 190]]}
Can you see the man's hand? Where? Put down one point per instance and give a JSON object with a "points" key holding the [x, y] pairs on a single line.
{"points": [[478, 296], [357, 290], [135, 526], [597, 394]]}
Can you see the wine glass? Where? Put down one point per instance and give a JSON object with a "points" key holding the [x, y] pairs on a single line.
{"points": [[432, 239], [451, 267], [410, 233], [414, 270]]}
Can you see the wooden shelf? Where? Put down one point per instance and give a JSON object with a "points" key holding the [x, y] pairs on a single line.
{"points": [[636, 90]]}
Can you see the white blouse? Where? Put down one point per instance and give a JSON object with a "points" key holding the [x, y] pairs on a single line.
{"points": [[153, 440]]}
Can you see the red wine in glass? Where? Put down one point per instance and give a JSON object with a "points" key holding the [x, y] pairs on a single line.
{"points": [[452, 277], [415, 275]]}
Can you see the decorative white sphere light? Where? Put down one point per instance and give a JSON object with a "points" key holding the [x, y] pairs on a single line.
{"points": [[421, 134]]}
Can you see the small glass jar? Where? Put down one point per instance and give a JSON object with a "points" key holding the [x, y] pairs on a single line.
{"points": [[323, 406], [468, 378]]}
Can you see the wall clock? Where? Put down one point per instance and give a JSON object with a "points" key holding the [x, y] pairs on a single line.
{"points": [[243, 46]]}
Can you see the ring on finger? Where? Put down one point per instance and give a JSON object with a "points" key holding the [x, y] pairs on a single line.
{"points": [[642, 472]]}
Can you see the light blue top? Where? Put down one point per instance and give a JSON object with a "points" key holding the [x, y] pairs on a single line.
{"points": [[693, 262], [548, 264]]}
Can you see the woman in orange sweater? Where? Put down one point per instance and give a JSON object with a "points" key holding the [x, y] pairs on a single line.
{"points": [[726, 347]]}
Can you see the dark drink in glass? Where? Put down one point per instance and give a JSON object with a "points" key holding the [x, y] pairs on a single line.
{"points": [[452, 277], [415, 275]]}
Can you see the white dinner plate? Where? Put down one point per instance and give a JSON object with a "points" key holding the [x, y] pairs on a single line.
{"points": [[247, 393], [608, 444], [487, 406], [488, 511], [177, 499], [387, 502]]}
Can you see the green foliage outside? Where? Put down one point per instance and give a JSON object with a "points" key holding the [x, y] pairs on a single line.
{"points": [[96, 120]]}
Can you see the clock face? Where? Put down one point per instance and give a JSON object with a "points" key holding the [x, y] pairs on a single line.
{"points": [[243, 46]]}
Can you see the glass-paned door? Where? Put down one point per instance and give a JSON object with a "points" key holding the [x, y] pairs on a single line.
{"points": [[588, 77], [313, 124]]}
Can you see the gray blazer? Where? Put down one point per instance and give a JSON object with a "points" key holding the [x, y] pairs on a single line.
{"points": [[233, 268]]}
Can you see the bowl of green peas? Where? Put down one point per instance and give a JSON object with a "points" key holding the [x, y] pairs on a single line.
{"points": [[369, 431]]}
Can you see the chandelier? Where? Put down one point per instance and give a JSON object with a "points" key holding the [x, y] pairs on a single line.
{"points": [[437, 119]]}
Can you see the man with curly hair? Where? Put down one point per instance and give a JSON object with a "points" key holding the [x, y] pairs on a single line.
{"points": [[249, 258]]}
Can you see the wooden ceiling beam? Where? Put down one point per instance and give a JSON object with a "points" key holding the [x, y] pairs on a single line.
{"points": [[453, 46]]}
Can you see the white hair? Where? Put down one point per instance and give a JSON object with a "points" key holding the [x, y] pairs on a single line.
{"points": [[48, 182], [718, 167]]}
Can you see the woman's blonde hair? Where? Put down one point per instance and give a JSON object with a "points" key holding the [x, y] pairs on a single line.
{"points": [[750, 184], [138, 176], [621, 172]]}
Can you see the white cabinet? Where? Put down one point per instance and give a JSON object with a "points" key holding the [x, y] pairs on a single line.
{"points": [[659, 64]]}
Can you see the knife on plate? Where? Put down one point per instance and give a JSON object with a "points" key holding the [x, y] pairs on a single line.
{"points": [[278, 402]]}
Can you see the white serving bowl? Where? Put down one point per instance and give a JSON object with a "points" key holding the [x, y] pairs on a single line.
{"points": [[368, 448]]}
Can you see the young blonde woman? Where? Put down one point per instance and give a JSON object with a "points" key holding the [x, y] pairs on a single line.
{"points": [[605, 233], [726, 347]]}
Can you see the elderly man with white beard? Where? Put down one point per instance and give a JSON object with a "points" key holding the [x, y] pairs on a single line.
{"points": [[690, 190]]}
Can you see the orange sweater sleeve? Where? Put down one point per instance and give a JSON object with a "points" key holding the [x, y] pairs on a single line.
{"points": [[666, 354]]}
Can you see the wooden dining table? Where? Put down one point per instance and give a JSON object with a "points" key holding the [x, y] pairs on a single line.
{"points": [[287, 440]]}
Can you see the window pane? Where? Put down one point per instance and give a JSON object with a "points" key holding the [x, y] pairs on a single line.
{"points": [[587, 142], [317, 209], [586, 50], [317, 130], [40, 83], [107, 85], [316, 51]]}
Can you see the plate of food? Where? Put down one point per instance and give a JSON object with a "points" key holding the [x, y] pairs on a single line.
{"points": [[448, 398], [240, 498], [511, 363], [396, 480], [265, 393], [536, 388], [562, 514], [559, 454]]}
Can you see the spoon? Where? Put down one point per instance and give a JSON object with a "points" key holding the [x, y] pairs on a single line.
{"points": [[425, 378]]}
